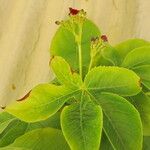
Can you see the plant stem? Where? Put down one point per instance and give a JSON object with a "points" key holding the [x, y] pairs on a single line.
{"points": [[90, 65], [80, 50], [80, 59]]}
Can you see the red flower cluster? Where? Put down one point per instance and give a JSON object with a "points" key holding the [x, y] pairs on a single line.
{"points": [[104, 38], [73, 11]]}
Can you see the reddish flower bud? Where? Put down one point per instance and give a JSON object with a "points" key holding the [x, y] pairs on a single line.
{"points": [[104, 38], [73, 11], [57, 22]]}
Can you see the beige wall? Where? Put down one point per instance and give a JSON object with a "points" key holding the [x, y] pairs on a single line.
{"points": [[27, 26]]}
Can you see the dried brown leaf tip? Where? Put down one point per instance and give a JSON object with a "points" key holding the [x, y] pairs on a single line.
{"points": [[140, 83], [24, 97], [2, 107], [52, 57], [72, 71]]}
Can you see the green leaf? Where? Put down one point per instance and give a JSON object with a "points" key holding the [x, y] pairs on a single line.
{"points": [[137, 57], [107, 56], [82, 124], [109, 53], [142, 104], [122, 124], [63, 72], [16, 128], [5, 119], [144, 74], [42, 139], [146, 143], [112, 79], [105, 143], [14, 148], [55, 81], [64, 45], [53, 122], [127, 46], [42, 102]]}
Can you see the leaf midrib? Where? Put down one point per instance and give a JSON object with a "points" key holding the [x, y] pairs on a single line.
{"points": [[81, 122]]}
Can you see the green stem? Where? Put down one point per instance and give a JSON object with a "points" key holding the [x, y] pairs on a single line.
{"points": [[80, 50], [80, 59], [90, 65]]}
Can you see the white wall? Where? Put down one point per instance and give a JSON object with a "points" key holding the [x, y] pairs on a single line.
{"points": [[27, 26]]}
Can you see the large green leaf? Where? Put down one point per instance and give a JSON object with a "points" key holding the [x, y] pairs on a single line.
{"points": [[41, 139], [113, 79], [127, 46], [43, 101], [146, 143], [137, 57], [144, 74], [82, 125], [16, 128], [63, 44], [122, 124], [142, 104]]}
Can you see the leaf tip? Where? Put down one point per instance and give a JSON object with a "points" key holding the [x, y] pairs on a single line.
{"points": [[52, 57], [24, 97]]}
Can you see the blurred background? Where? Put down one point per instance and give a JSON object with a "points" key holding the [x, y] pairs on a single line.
{"points": [[27, 27]]}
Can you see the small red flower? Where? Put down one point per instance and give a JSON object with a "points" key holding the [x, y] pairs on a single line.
{"points": [[104, 38], [73, 11]]}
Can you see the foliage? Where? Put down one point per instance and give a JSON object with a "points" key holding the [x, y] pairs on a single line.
{"points": [[100, 93]]}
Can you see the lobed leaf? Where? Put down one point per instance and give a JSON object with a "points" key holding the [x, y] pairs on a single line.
{"points": [[82, 125], [43, 101], [113, 79]]}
